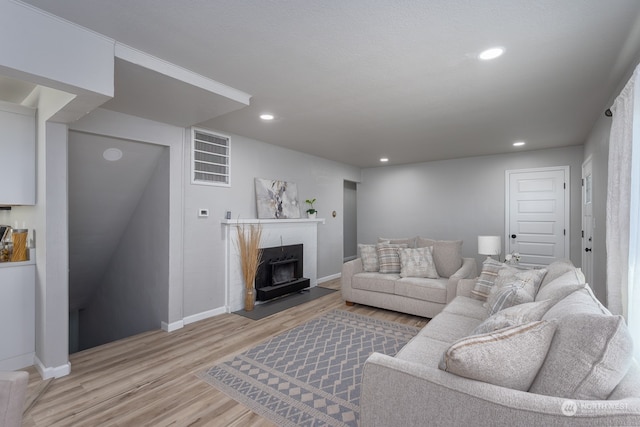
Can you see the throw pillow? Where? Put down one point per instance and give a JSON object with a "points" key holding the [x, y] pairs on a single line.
{"points": [[369, 256], [515, 315], [508, 296], [487, 278], [509, 357], [562, 286], [423, 242], [417, 263], [447, 255], [531, 278], [588, 357], [388, 257], [409, 241]]}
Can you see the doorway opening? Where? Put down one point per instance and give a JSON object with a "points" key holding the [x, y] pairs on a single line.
{"points": [[350, 223], [118, 238]]}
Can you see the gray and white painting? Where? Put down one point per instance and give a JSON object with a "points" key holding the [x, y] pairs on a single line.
{"points": [[276, 199]]}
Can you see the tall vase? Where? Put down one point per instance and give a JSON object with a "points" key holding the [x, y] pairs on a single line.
{"points": [[249, 299]]}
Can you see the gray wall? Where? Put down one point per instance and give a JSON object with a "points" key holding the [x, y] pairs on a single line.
{"points": [[350, 220], [203, 243], [133, 295], [455, 199], [597, 146]]}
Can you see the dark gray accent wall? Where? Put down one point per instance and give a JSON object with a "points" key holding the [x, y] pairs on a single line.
{"points": [[350, 223], [132, 297]]}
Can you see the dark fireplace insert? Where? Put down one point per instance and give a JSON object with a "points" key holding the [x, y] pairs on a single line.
{"points": [[280, 272]]}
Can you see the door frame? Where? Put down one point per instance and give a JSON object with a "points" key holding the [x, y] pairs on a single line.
{"points": [[589, 270], [567, 204]]}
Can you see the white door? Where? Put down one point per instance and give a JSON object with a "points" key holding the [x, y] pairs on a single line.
{"points": [[537, 214], [587, 220]]}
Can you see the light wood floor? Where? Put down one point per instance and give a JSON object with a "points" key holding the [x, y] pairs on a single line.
{"points": [[150, 379]]}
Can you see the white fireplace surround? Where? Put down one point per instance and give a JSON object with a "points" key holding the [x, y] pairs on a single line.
{"points": [[275, 232]]}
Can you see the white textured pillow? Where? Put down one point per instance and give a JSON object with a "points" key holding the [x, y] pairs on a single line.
{"points": [[509, 357], [588, 357], [513, 287], [369, 256], [529, 279], [507, 296], [515, 315], [417, 263]]}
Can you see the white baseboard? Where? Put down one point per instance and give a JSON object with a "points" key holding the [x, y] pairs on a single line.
{"points": [[52, 372], [205, 315], [331, 277], [173, 326], [17, 362]]}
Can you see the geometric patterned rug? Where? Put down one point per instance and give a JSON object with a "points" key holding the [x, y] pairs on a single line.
{"points": [[311, 374]]}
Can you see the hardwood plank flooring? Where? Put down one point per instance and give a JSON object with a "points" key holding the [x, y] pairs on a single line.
{"points": [[150, 379]]}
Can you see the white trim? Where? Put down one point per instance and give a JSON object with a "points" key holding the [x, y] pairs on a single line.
{"points": [[205, 315], [52, 372], [173, 326], [329, 278], [269, 221], [17, 362], [135, 56]]}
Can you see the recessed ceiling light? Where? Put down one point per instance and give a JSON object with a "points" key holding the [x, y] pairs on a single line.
{"points": [[267, 116], [384, 159], [112, 154], [492, 53], [518, 144]]}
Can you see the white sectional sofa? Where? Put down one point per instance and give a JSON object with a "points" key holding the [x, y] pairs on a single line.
{"points": [[575, 371], [410, 293]]}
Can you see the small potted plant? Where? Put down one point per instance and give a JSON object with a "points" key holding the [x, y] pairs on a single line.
{"points": [[311, 212]]}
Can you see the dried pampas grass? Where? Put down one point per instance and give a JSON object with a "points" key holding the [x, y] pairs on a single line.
{"points": [[250, 256]]}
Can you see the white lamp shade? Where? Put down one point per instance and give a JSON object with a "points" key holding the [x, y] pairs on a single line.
{"points": [[489, 245]]}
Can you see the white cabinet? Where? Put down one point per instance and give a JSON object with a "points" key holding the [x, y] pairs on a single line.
{"points": [[17, 155], [17, 315]]}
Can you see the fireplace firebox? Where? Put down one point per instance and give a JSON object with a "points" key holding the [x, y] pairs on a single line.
{"points": [[280, 272]]}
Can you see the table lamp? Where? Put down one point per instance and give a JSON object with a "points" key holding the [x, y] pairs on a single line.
{"points": [[489, 245]]}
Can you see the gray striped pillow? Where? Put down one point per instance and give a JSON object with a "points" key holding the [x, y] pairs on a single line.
{"points": [[388, 257]]}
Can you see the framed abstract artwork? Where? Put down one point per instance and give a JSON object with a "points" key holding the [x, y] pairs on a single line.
{"points": [[276, 199]]}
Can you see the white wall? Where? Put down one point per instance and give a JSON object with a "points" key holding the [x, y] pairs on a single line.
{"points": [[204, 246], [454, 199]]}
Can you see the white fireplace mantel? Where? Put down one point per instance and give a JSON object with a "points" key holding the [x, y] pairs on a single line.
{"points": [[271, 221], [275, 232]]}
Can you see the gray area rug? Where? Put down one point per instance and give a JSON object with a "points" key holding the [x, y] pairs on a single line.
{"points": [[309, 375]]}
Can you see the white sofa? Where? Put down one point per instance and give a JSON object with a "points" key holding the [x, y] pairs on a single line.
{"points": [[411, 390], [420, 296]]}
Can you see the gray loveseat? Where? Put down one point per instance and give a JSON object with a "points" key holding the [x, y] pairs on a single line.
{"points": [[420, 296], [411, 390]]}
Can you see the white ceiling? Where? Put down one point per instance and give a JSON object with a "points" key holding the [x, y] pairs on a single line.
{"points": [[356, 80]]}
